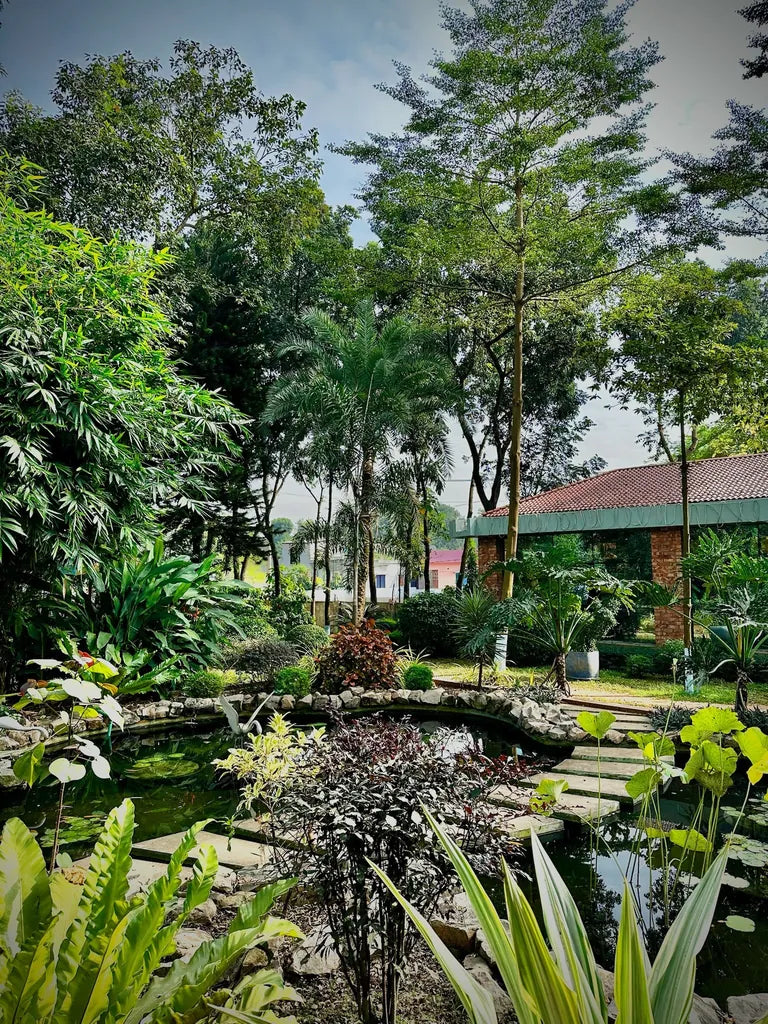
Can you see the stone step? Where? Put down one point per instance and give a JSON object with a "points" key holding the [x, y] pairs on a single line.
{"points": [[520, 826], [232, 853], [585, 785], [570, 806], [633, 754], [607, 768], [260, 830]]}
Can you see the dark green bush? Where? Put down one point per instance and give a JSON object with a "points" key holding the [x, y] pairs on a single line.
{"points": [[308, 638], [757, 717], [209, 682], [293, 680], [388, 625], [639, 666], [524, 649], [418, 677], [252, 617], [397, 638], [665, 654], [262, 659], [426, 622]]}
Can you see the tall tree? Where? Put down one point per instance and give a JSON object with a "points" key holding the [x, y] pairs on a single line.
{"points": [[757, 14], [366, 384], [520, 178], [677, 361]]}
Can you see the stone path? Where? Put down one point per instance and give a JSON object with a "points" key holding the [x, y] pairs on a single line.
{"points": [[232, 853], [569, 807], [626, 721]]}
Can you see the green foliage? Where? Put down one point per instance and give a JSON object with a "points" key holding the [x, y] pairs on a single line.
{"points": [[308, 638], [478, 619], [288, 607], [209, 682], [261, 659], [294, 680], [172, 610], [162, 766], [357, 657], [251, 616], [639, 666], [82, 953], [550, 974], [100, 431], [426, 622], [417, 677]]}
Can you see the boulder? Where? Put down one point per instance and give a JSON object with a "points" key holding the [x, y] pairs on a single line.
{"points": [[456, 923], [305, 703], [253, 960], [431, 696], [188, 941], [482, 943], [232, 900], [8, 743], [287, 702], [7, 779], [349, 699], [203, 915], [481, 972], [315, 956], [746, 1009]]}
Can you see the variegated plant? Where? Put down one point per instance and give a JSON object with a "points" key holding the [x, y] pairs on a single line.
{"points": [[88, 954], [550, 975]]}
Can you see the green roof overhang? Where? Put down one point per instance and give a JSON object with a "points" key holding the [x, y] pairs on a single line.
{"points": [[645, 517]]}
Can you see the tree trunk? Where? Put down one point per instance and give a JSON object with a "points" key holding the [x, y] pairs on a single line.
{"points": [[275, 558], [685, 546], [426, 540], [315, 554], [372, 570], [560, 676], [327, 553], [516, 429], [366, 513], [742, 691], [243, 566], [467, 540]]}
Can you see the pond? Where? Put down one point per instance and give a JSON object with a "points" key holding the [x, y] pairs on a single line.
{"points": [[172, 783]]}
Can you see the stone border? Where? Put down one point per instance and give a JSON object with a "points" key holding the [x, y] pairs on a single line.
{"points": [[547, 724]]}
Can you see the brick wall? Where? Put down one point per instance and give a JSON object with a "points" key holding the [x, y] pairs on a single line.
{"points": [[490, 550], [666, 551]]}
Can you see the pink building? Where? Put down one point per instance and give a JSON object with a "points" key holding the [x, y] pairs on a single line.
{"points": [[444, 568]]}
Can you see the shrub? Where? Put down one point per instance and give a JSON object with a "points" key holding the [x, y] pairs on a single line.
{"points": [[261, 659], [397, 638], [418, 677], [294, 680], [755, 717], [308, 638], [252, 617], [525, 650], [540, 690], [427, 621], [358, 657], [115, 956], [386, 624], [665, 654], [639, 666], [289, 608], [209, 682], [671, 717]]}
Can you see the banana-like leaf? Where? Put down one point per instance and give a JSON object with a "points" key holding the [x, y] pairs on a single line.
{"points": [[25, 912], [496, 936], [477, 1003], [567, 935], [674, 971], [203, 873], [101, 908], [631, 991], [250, 913]]}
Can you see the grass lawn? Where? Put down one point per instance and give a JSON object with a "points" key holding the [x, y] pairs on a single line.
{"points": [[612, 684]]}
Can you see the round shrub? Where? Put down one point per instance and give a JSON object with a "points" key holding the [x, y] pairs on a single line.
{"points": [[252, 617], [639, 666], [262, 659], [209, 682], [418, 677], [358, 657], [308, 638], [664, 655], [294, 680], [426, 622]]}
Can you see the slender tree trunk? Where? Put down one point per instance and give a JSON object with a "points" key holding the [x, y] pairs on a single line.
{"points": [[685, 546], [243, 566], [467, 540], [560, 676], [366, 512], [516, 429], [372, 570], [275, 558], [315, 553], [742, 691], [327, 552], [426, 540]]}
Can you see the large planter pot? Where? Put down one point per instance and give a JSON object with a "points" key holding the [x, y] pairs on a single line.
{"points": [[582, 664]]}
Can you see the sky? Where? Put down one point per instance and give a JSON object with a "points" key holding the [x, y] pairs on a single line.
{"points": [[331, 53]]}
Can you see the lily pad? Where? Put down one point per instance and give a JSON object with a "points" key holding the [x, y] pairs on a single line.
{"points": [[162, 766], [750, 852], [739, 924], [75, 830]]}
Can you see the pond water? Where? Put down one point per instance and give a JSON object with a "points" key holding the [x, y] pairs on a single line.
{"points": [[732, 963]]}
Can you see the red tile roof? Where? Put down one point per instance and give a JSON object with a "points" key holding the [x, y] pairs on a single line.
{"points": [[450, 557], [729, 478]]}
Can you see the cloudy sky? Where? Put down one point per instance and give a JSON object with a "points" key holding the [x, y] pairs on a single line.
{"points": [[330, 53]]}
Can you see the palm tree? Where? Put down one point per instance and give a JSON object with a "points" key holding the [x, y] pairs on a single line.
{"points": [[398, 524], [363, 386]]}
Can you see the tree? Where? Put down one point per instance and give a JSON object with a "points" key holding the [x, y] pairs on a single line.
{"points": [[677, 361], [520, 179], [99, 429], [732, 179], [398, 522], [365, 385]]}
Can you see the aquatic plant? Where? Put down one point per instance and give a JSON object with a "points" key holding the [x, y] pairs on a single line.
{"points": [[86, 953], [162, 766]]}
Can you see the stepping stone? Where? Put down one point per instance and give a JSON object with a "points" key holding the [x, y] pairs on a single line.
{"points": [[585, 785], [520, 826], [606, 767], [142, 873], [232, 853], [611, 753], [257, 828], [569, 807]]}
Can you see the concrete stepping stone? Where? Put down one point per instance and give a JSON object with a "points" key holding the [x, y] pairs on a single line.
{"points": [[611, 753], [569, 807], [232, 853], [585, 785], [606, 767], [520, 826]]}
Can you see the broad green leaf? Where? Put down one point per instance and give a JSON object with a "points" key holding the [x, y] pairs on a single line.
{"points": [[739, 924], [754, 746], [631, 973], [707, 722], [595, 724], [674, 971], [65, 770], [644, 781], [690, 839], [29, 766]]}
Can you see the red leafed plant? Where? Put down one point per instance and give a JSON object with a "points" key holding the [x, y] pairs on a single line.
{"points": [[358, 656]]}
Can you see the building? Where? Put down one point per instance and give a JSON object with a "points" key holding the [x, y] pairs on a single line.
{"points": [[726, 491], [444, 568]]}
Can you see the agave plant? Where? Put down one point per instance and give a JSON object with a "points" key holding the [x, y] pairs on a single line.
{"points": [[88, 954], [559, 983]]}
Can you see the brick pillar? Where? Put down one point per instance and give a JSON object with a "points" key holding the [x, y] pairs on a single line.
{"points": [[666, 552], [490, 550]]}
